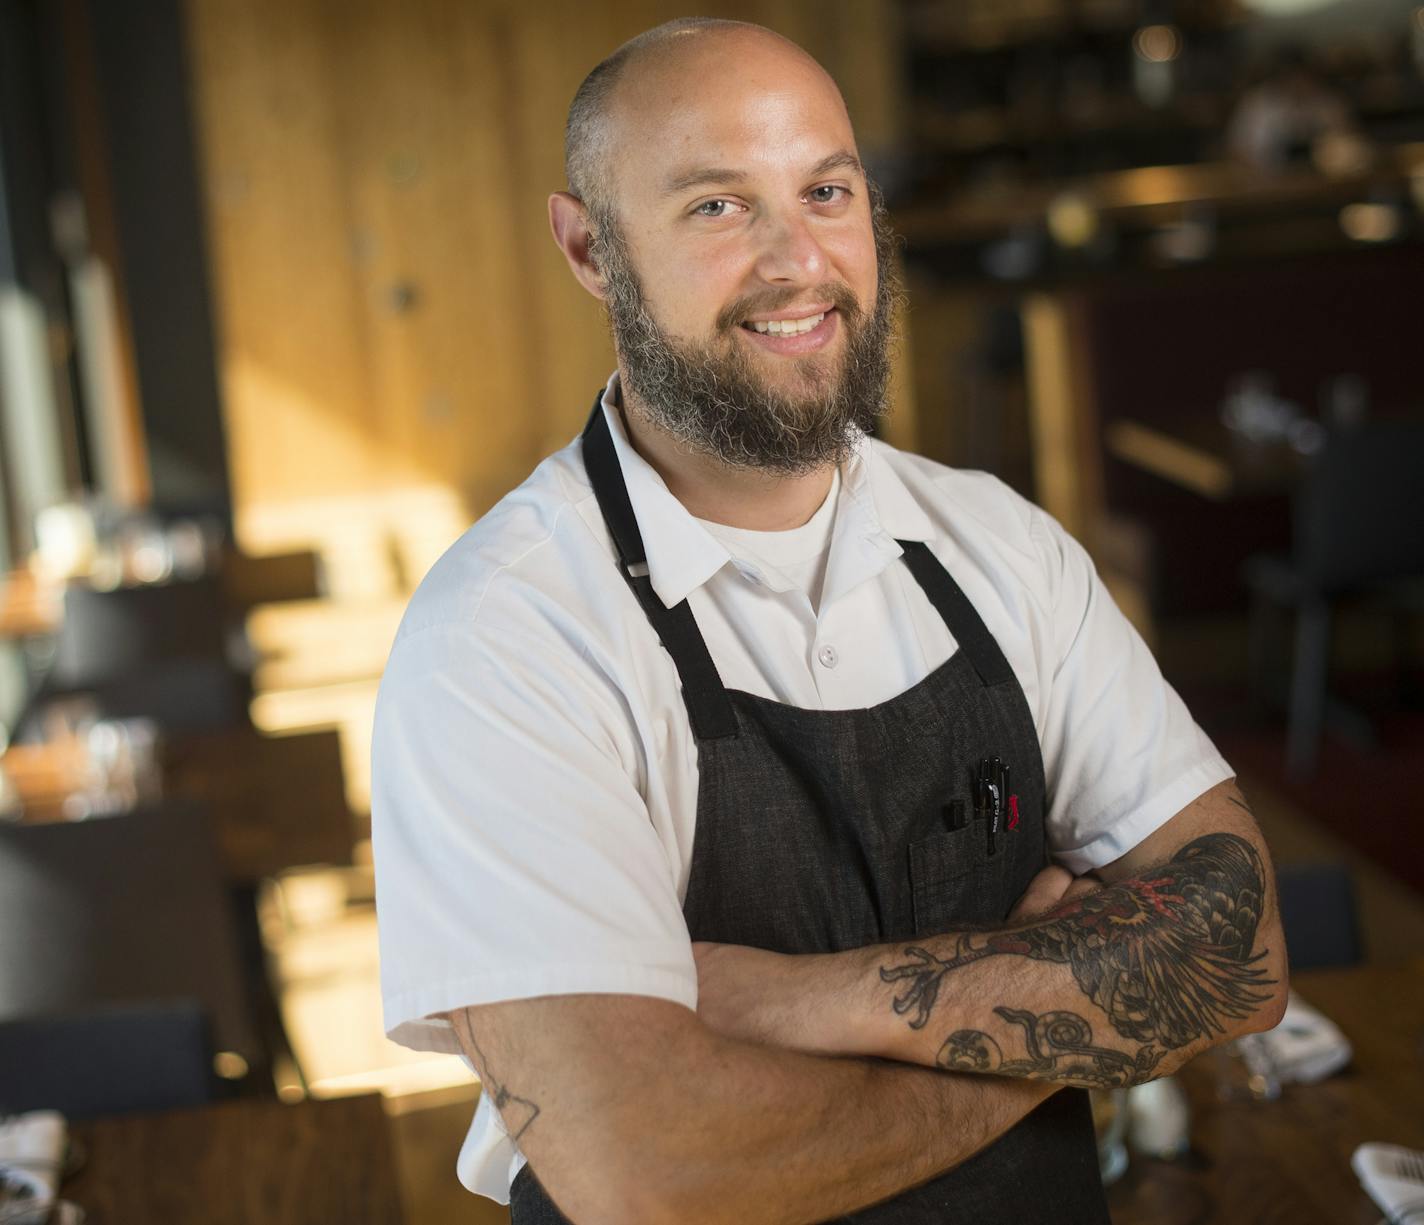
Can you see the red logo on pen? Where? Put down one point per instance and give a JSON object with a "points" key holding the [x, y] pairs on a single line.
{"points": [[1013, 812]]}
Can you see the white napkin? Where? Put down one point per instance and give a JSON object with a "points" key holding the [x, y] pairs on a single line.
{"points": [[1394, 1177], [31, 1161], [1306, 1046]]}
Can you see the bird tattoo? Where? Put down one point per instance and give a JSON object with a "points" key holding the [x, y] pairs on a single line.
{"points": [[1167, 957]]}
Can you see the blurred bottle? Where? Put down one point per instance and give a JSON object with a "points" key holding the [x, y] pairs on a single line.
{"points": [[1245, 1071], [1110, 1120], [1159, 1119]]}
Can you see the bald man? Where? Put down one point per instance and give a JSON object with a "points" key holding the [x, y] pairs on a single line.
{"points": [[784, 827]]}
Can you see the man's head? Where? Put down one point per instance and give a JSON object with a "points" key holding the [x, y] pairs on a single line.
{"points": [[719, 209]]}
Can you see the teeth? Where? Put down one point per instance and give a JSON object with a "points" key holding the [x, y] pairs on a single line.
{"points": [[788, 327]]}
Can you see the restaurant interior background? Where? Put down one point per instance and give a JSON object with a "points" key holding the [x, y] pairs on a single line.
{"points": [[279, 317]]}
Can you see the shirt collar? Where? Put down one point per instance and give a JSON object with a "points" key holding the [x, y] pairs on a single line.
{"points": [[875, 510], [681, 553], [888, 507]]}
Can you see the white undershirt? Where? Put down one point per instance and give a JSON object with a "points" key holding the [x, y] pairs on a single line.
{"points": [[800, 553]]}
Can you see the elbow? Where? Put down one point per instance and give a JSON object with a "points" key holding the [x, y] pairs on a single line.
{"points": [[628, 1204], [662, 1190], [1270, 1014], [1271, 972], [630, 1178], [614, 1197], [643, 1196]]}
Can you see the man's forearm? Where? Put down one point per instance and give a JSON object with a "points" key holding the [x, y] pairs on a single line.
{"points": [[798, 1141], [1111, 988], [694, 1126]]}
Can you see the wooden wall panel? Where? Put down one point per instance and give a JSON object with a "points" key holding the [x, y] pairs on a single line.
{"points": [[393, 314], [288, 303], [444, 295]]}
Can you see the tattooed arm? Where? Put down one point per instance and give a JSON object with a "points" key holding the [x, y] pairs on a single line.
{"points": [[1179, 950], [631, 1109]]}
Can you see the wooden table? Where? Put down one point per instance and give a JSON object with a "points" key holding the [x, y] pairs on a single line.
{"points": [[1288, 1161], [240, 1163]]}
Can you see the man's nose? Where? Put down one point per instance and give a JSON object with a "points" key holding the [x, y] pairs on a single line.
{"points": [[790, 252]]}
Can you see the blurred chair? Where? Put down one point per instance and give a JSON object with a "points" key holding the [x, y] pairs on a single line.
{"points": [[271, 578], [121, 909], [1358, 533], [160, 651], [155, 1055], [1319, 915]]}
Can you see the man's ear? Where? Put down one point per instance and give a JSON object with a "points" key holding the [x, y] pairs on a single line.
{"points": [[568, 219]]}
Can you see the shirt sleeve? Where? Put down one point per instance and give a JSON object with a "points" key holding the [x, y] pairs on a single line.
{"points": [[513, 851], [1122, 755]]}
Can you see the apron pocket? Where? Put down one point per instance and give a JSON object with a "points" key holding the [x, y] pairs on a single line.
{"points": [[953, 880]]}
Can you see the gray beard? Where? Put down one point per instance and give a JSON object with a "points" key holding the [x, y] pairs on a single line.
{"points": [[710, 397]]}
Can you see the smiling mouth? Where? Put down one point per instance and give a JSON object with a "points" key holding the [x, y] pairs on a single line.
{"points": [[785, 327], [788, 327]]}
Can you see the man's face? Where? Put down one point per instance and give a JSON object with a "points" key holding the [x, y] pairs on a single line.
{"points": [[750, 301]]}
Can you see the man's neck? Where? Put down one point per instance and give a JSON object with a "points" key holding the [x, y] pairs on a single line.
{"points": [[757, 501]]}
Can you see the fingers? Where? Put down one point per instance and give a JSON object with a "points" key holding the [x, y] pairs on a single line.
{"points": [[1082, 885], [1044, 892]]}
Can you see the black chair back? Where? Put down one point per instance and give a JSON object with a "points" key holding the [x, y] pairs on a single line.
{"points": [[1359, 516], [155, 1055], [120, 909], [157, 652], [1318, 914], [109, 636]]}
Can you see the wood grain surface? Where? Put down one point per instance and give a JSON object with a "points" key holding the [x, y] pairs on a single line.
{"points": [[1287, 1162], [240, 1163]]}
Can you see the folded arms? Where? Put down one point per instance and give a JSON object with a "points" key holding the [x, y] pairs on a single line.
{"points": [[793, 1093]]}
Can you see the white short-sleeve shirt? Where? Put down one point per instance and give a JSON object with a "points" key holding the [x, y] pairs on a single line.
{"points": [[534, 786]]}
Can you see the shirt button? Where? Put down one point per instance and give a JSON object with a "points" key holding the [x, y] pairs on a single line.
{"points": [[828, 657]]}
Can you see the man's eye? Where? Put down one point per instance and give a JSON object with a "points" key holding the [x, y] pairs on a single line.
{"points": [[827, 194], [713, 208]]}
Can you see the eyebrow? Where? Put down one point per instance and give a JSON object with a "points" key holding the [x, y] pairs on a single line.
{"points": [[702, 176]]}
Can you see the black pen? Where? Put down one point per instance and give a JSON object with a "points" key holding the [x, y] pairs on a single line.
{"points": [[955, 814]]}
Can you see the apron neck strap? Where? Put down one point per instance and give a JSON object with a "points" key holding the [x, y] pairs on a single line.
{"points": [[709, 709], [959, 614]]}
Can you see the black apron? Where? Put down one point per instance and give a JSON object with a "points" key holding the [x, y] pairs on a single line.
{"points": [[825, 830]]}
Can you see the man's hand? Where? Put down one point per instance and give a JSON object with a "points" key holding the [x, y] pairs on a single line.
{"points": [[1177, 949], [1050, 888]]}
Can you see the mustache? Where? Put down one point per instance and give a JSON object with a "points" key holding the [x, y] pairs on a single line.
{"points": [[838, 293]]}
